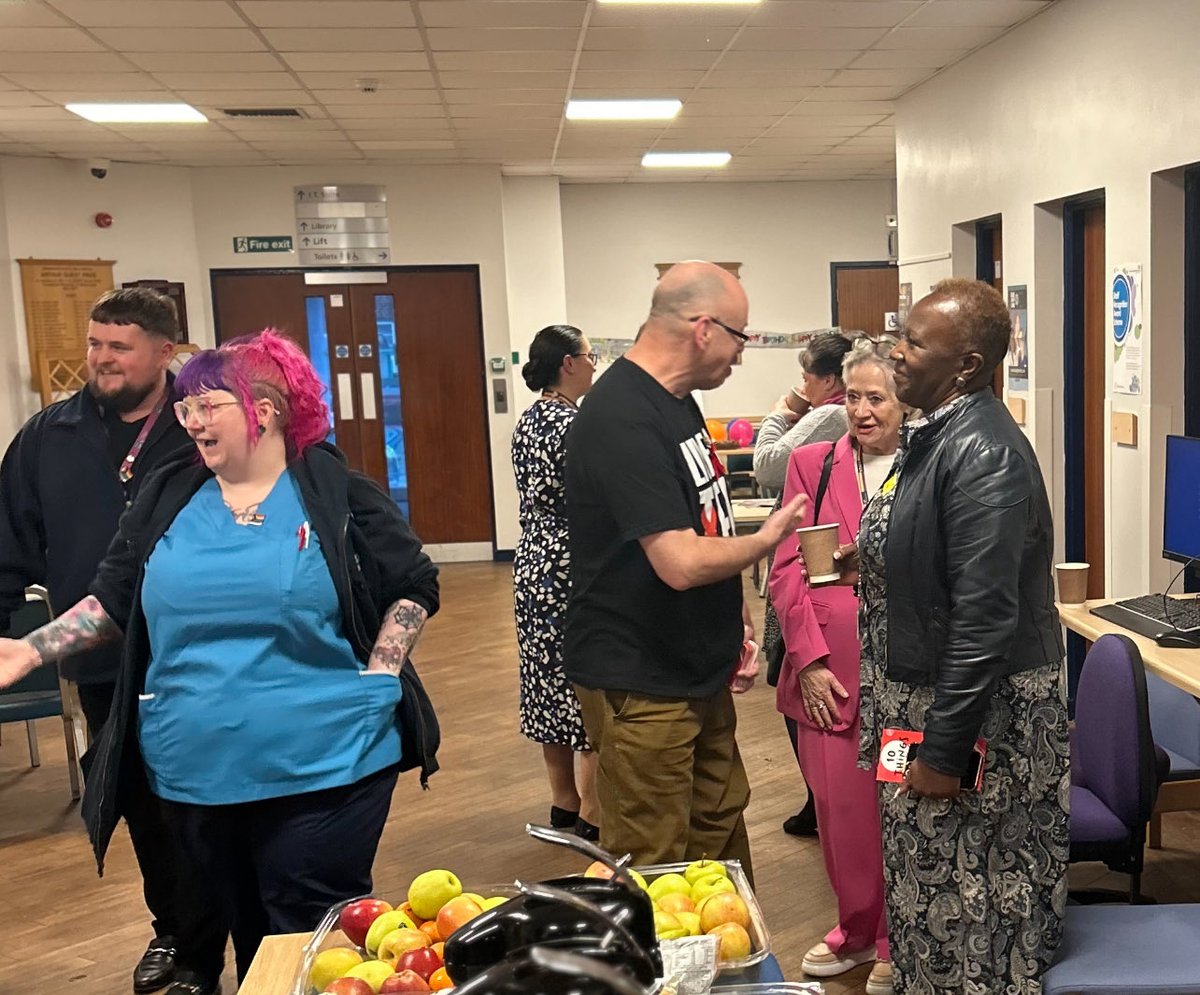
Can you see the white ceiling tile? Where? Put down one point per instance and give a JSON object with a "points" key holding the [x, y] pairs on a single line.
{"points": [[348, 81], [80, 62], [406, 144], [801, 125], [814, 127], [723, 103], [997, 13], [357, 63], [650, 60], [252, 98], [832, 58], [502, 61], [85, 81], [206, 62], [506, 14], [826, 14], [322, 14], [93, 95], [507, 112], [46, 40], [150, 13], [21, 98], [683, 15], [541, 98], [880, 77], [344, 39], [799, 39], [878, 108], [265, 125], [899, 58], [192, 40], [338, 100], [466, 80], [770, 79], [749, 96], [856, 93], [28, 15], [228, 81], [502, 39], [395, 112], [648, 79], [939, 37], [690, 39]]}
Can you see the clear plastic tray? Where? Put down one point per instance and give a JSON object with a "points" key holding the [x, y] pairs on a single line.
{"points": [[760, 938]]}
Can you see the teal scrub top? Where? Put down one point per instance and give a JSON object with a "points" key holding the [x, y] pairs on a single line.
{"points": [[252, 691]]}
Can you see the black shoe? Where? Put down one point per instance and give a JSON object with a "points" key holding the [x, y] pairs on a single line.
{"points": [[804, 822], [561, 818], [156, 969], [190, 983], [586, 831]]}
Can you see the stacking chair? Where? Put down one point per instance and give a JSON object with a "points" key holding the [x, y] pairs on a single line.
{"points": [[1115, 770], [1175, 721], [41, 694]]}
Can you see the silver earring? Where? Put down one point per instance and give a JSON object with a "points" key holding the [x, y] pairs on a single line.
{"points": [[959, 382]]}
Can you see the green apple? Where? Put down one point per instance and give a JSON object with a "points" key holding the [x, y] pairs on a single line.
{"points": [[714, 884], [703, 868], [383, 925], [689, 920], [373, 972], [641, 881], [431, 890], [329, 965], [491, 903], [478, 899], [668, 884], [668, 927]]}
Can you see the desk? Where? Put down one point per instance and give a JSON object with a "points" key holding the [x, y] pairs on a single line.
{"points": [[724, 454], [748, 515], [1180, 667]]}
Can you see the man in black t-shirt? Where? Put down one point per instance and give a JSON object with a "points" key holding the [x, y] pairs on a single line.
{"points": [[65, 480], [656, 621]]}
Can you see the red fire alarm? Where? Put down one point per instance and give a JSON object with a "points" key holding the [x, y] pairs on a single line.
{"points": [[104, 220]]}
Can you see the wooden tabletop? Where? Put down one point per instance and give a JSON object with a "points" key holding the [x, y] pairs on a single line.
{"points": [[752, 511], [275, 965], [1180, 667]]}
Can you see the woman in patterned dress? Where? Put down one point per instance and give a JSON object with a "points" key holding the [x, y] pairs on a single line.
{"points": [[560, 368], [961, 641]]}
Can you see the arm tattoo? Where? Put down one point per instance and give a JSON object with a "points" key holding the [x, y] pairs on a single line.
{"points": [[401, 627], [81, 627]]}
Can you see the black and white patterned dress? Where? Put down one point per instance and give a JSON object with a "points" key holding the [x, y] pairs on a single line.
{"points": [[542, 577], [976, 886]]}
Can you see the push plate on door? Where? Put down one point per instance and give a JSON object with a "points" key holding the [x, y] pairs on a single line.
{"points": [[342, 351], [364, 352]]}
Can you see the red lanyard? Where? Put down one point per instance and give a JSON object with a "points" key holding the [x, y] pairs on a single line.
{"points": [[125, 473]]}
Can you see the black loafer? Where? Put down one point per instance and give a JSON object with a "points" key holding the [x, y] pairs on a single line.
{"points": [[156, 969], [191, 983], [586, 831], [561, 818], [804, 822]]}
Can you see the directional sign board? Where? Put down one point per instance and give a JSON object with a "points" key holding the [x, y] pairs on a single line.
{"points": [[342, 225]]}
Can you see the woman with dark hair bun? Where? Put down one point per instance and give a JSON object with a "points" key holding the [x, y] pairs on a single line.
{"points": [[561, 365]]}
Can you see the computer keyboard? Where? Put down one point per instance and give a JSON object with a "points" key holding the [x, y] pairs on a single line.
{"points": [[1183, 615]]}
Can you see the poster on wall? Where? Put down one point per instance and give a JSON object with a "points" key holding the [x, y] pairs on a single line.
{"points": [[1127, 329], [58, 295], [1018, 338]]}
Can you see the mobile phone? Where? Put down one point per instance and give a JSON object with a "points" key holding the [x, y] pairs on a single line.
{"points": [[971, 779]]}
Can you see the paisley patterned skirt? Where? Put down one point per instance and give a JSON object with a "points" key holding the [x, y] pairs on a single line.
{"points": [[977, 886]]}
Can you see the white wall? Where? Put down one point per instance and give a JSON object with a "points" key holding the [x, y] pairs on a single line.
{"points": [[1090, 95], [785, 235], [47, 207]]}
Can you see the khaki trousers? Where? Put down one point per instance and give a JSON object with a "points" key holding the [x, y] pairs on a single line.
{"points": [[670, 780]]}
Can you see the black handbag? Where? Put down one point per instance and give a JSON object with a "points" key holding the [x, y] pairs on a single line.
{"points": [[773, 645]]}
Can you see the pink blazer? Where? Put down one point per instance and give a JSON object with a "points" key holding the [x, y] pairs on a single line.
{"points": [[820, 621]]}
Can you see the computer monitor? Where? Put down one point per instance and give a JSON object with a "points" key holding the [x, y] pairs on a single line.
{"points": [[1181, 505]]}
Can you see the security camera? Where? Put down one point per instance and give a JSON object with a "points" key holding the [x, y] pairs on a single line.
{"points": [[367, 85], [98, 168]]}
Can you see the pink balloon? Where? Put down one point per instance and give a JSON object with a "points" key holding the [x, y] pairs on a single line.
{"points": [[741, 431]]}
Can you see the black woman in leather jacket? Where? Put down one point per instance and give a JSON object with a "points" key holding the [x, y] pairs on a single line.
{"points": [[961, 644]]}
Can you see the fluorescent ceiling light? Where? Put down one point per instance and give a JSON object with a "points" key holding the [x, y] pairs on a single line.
{"points": [[138, 113], [622, 110], [686, 160]]}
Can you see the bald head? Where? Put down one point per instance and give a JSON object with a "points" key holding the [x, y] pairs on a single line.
{"points": [[695, 287]]}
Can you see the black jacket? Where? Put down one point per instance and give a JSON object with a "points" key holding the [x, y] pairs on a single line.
{"points": [[60, 501], [374, 559], [969, 557]]}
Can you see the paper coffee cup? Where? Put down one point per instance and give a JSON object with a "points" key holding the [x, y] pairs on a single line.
{"points": [[818, 543], [1072, 582]]}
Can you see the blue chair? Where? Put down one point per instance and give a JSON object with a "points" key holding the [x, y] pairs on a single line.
{"points": [[1126, 950], [1175, 720], [40, 695]]}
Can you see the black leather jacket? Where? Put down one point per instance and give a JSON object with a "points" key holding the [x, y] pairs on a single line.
{"points": [[969, 557]]}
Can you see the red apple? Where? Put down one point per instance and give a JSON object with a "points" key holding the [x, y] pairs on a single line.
{"points": [[356, 918], [349, 986], [423, 961], [404, 981]]}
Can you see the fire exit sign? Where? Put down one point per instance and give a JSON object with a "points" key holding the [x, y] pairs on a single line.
{"points": [[262, 243]]}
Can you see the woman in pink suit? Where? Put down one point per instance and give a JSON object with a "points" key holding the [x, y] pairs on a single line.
{"points": [[818, 684]]}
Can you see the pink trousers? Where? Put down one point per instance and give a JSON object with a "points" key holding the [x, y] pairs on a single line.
{"points": [[847, 803]]}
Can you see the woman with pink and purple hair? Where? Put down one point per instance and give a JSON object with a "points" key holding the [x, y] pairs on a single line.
{"points": [[269, 597]]}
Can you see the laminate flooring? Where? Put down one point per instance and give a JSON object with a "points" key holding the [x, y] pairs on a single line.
{"points": [[68, 931]]}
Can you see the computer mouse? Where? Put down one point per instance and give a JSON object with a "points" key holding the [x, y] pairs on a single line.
{"points": [[1176, 641]]}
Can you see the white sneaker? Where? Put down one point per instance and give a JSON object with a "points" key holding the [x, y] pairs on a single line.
{"points": [[821, 962], [880, 980]]}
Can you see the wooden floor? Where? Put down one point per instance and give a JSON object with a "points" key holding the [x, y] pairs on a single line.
{"points": [[68, 931]]}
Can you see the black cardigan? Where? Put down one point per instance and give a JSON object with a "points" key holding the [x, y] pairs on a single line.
{"points": [[374, 559]]}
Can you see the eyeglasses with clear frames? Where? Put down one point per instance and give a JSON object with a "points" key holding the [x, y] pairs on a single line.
{"points": [[202, 408]]}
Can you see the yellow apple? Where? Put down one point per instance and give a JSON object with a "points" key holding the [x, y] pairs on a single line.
{"points": [[329, 965], [383, 925], [641, 881], [703, 868], [491, 903], [691, 920], [676, 903], [723, 907], [431, 890], [373, 972], [477, 899], [400, 941], [712, 885], [735, 941], [668, 884], [667, 927]]}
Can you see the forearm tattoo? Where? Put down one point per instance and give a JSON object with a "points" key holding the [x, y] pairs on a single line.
{"points": [[79, 628], [401, 627]]}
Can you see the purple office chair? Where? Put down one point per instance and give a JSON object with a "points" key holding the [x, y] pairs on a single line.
{"points": [[1115, 768]]}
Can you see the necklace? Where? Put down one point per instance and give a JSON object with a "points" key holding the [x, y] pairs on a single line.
{"points": [[248, 515], [551, 395]]}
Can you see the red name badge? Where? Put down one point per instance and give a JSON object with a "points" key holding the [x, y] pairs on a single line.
{"points": [[898, 747]]}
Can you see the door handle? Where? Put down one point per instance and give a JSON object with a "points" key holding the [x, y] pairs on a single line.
{"points": [[345, 387], [368, 396]]}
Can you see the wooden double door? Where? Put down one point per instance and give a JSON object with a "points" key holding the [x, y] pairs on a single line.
{"points": [[401, 353]]}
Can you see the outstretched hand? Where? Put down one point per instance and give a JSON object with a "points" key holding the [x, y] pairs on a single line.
{"points": [[786, 520], [17, 660]]}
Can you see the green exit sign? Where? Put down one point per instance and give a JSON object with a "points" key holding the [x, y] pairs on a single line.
{"points": [[262, 243]]}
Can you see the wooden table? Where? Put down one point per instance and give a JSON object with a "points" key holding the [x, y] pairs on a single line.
{"points": [[275, 965], [1180, 667], [748, 515], [724, 454]]}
